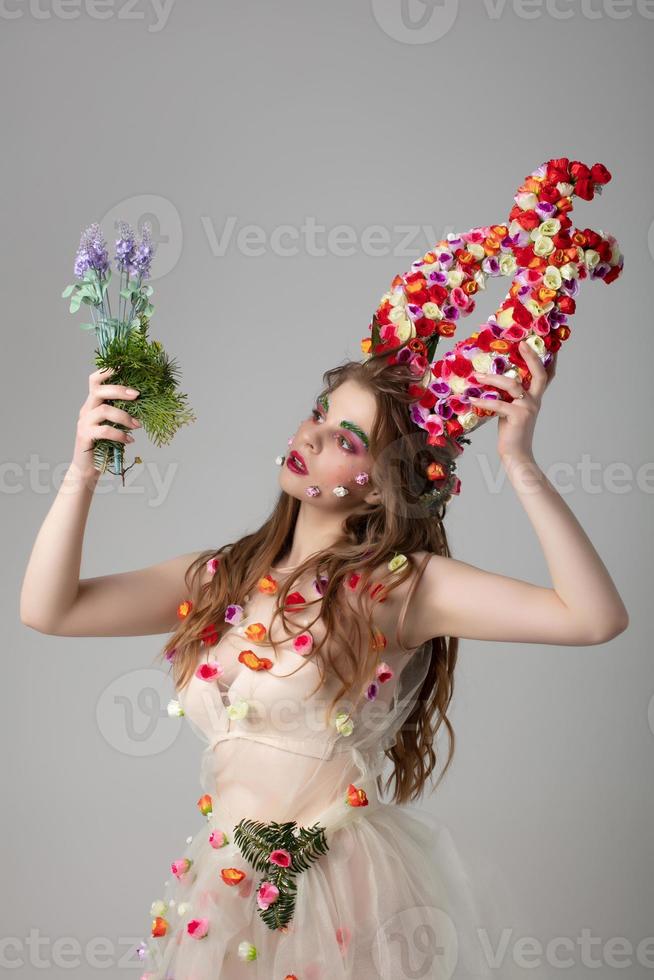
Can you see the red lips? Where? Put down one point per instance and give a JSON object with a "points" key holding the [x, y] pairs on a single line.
{"points": [[294, 459]]}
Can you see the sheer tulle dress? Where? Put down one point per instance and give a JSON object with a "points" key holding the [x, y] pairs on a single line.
{"points": [[367, 889]]}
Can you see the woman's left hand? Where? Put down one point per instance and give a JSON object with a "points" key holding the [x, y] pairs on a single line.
{"points": [[517, 418]]}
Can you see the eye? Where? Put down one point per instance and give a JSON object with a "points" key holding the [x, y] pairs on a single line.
{"points": [[345, 443]]}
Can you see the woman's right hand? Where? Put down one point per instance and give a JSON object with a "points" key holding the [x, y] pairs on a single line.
{"points": [[95, 411]]}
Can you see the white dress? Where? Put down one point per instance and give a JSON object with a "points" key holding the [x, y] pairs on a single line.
{"points": [[383, 891]]}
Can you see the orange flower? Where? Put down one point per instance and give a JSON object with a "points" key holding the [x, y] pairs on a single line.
{"points": [[205, 804], [159, 927], [256, 632], [184, 608], [232, 876], [356, 797], [380, 588], [251, 660], [378, 641], [267, 585], [209, 635]]}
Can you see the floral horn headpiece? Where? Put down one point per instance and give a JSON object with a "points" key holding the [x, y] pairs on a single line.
{"points": [[544, 256]]}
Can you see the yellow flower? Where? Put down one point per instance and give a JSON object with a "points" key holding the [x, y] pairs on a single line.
{"points": [[536, 343], [468, 420], [505, 317], [397, 562], [344, 723], [238, 710]]}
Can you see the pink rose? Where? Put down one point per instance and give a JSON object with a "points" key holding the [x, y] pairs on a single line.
{"points": [[267, 894], [217, 838], [280, 857], [181, 867], [198, 928], [209, 671], [303, 643]]}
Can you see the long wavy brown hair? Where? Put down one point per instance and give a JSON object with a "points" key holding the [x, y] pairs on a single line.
{"points": [[372, 534]]}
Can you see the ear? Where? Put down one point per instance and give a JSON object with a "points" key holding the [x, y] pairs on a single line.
{"points": [[372, 497]]}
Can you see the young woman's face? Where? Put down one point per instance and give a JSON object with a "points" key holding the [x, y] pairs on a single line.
{"points": [[333, 440]]}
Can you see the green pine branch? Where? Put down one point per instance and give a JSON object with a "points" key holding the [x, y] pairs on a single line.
{"points": [[257, 839]]}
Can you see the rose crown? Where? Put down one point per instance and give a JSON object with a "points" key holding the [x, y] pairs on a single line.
{"points": [[545, 258]]}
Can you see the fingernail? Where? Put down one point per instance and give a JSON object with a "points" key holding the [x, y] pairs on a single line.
{"points": [[130, 438]]}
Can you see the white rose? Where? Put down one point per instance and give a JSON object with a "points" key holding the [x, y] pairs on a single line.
{"points": [[552, 277], [477, 250], [550, 226], [457, 384], [158, 907], [482, 362], [565, 189], [569, 271], [480, 279], [454, 278], [508, 264], [468, 420], [526, 201], [543, 245], [591, 258], [432, 310]]}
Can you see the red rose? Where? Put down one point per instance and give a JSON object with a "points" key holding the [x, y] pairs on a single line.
{"points": [[567, 304], [599, 174], [528, 220], [579, 171], [585, 189]]}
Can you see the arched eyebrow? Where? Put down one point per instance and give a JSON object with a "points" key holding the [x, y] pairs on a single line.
{"points": [[323, 401]]}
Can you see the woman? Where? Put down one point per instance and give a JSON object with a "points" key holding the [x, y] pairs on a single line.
{"points": [[302, 871]]}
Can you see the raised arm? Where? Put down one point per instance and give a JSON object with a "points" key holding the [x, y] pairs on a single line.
{"points": [[583, 606], [53, 599]]}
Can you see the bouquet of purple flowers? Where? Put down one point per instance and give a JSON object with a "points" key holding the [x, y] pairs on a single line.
{"points": [[123, 342]]}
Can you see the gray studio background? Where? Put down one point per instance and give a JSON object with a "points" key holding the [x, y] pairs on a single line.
{"points": [[208, 118]]}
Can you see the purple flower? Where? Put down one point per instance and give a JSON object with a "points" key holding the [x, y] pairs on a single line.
{"points": [[92, 252], [124, 255], [144, 253]]}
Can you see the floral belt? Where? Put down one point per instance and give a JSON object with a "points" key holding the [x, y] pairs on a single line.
{"points": [[282, 850]]}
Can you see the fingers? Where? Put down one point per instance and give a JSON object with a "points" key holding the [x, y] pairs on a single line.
{"points": [[110, 412]]}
